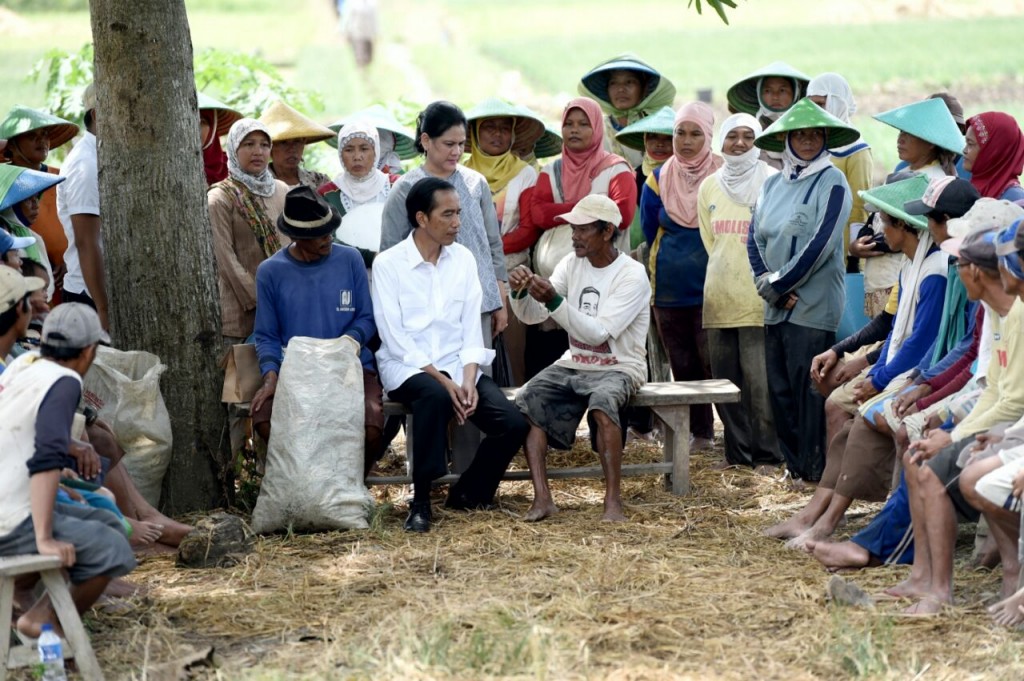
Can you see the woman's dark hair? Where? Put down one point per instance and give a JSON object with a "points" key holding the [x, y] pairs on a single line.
{"points": [[938, 216], [422, 197], [436, 119], [32, 268], [947, 160], [8, 318]]}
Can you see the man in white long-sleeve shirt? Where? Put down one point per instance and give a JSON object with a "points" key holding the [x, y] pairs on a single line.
{"points": [[426, 302], [601, 297]]}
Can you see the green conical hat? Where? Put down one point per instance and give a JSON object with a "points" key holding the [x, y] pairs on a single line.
{"points": [[660, 122], [21, 119], [527, 128], [226, 116], [381, 118], [802, 115], [928, 119], [890, 198], [549, 144], [658, 92], [743, 95]]}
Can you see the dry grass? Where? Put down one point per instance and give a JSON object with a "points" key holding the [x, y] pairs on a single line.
{"points": [[687, 590]]}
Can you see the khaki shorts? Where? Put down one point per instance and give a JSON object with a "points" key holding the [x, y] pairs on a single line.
{"points": [[842, 396]]}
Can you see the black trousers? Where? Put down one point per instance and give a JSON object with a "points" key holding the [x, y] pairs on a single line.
{"points": [[496, 416], [799, 409], [70, 297]]}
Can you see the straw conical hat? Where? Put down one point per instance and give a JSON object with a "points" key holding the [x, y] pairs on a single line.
{"points": [[661, 122], [801, 116], [743, 95], [379, 117], [285, 123], [928, 119], [527, 128], [18, 184], [890, 199], [549, 144], [226, 116], [21, 119]]}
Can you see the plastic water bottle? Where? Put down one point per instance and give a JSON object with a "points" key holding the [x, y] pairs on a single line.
{"points": [[50, 655]]}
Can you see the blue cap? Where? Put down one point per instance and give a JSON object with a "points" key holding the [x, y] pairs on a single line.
{"points": [[14, 243]]}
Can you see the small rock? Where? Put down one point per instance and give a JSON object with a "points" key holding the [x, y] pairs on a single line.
{"points": [[219, 540]]}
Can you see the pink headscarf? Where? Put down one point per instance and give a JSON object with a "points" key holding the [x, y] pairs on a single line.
{"points": [[680, 178], [579, 168]]}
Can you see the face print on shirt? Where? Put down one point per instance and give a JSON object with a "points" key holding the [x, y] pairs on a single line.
{"points": [[590, 297]]}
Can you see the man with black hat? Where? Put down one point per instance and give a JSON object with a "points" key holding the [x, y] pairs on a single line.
{"points": [[317, 289], [38, 397]]}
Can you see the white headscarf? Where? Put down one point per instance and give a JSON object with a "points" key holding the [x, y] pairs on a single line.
{"points": [[838, 98], [388, 158], [742, 176], [263, 184], [367, 188], [794, 167]]}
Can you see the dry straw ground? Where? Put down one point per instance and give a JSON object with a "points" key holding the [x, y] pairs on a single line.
{"points": [[687, 590]]}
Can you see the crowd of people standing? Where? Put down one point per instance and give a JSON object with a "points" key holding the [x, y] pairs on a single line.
{"points": [[508, 256]]}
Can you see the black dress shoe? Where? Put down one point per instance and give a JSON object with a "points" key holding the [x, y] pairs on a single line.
{"points": [[419, 518]]}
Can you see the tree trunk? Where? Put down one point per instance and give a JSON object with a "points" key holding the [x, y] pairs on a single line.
{"points": [[159, 259]]}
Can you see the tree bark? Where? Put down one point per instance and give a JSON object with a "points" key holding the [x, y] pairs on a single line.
{"points": [[158, 255]]}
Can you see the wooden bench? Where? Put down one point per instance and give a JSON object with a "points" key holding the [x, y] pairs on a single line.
{"points": [[670, 402], [49, 569]]}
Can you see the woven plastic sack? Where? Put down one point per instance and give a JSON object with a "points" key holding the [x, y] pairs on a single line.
{"points": [[314, 478], [124, 387]]}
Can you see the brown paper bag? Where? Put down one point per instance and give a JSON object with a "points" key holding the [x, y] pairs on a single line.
{"points": [[242, 376]]}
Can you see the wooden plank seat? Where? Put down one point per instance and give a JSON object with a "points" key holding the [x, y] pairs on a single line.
{"points": [[77, 644], [670, 402]]}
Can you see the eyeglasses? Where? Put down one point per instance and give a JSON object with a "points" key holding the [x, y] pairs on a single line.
{"points": [[962, 264]]}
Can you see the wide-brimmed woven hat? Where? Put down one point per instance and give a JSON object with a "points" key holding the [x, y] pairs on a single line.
{"points": [[307, 215], [890, 199], [18, 184], [285, 123], [22, 119], [801, 116], [527, 129], [743, 95], [549, 144], [381, 118], [226, 116], [660, 122], [596, 80], [928, 119]]}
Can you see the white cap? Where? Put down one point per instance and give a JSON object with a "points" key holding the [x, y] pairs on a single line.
{"points": [[592, 208], [14, 287], [986, 213], [74, 326]]}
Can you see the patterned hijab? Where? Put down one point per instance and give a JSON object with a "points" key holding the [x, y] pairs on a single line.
{"points": [[579, 168], [680, 177], [1000, 159], [262, 184], [368, 187]]}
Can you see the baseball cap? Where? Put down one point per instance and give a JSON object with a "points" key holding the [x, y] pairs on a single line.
{"points": [[14, 287], [977, 248], [592, 208], [947, 194], [73, 326], [14, 243], [986, 213]]}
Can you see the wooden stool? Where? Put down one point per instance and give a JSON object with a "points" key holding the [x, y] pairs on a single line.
{"points": [[49, 570]]}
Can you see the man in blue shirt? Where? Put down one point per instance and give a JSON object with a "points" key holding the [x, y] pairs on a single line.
{"points": [[317, 289]]}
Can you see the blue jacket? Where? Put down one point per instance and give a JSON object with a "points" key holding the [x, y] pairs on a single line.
{"points": [[679, 261], [796, 234], [329, 298]]}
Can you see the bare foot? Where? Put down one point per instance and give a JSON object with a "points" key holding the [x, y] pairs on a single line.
{"points": [[1008, 612], [701, 444], [929, 606], [1010, 581], [788, 529], [613, 512], [143, 533], [31, 623], [540, 510], [908, 588], [173, 531], [813, 534], [838, 555]]}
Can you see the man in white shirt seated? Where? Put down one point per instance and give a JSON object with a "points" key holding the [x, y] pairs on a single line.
{"points": [[426, 302], [38, 397], [601, 297]]}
